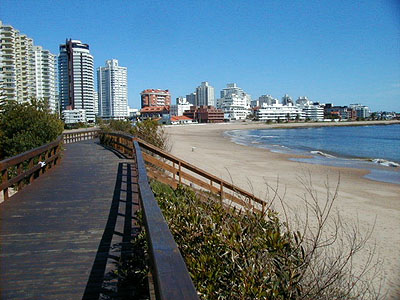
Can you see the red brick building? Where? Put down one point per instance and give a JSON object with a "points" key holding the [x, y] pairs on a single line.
{"points": [[153, 97], [205, 114]]}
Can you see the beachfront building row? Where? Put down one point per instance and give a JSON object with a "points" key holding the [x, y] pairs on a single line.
{"points": [[26, 70], [198, 114]]}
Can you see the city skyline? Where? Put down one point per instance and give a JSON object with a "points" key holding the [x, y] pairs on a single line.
{"points": [[338, 52]]}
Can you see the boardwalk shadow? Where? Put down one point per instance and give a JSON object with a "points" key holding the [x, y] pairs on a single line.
{"points": [[116, 248]]}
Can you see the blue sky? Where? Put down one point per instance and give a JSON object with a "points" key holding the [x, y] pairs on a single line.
{"points": [[331, 51]]}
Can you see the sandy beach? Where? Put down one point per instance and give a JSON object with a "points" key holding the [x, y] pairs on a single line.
{"points": [[360, 200]]}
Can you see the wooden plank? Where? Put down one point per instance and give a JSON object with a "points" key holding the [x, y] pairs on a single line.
{"points": [[200, 183], [163, 179], [156, 162]]}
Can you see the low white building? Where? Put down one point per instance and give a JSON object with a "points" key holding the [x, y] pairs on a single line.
{"points": [[133, 113], [311, 111], [73, 116], [279, 112], [179, 108], [176, 120]]}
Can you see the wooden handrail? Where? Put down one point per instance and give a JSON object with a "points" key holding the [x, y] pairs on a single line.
{"points": [[170, 274], [224, 186], [14, 160], [81, 135], [198, 171], [48, 155]]}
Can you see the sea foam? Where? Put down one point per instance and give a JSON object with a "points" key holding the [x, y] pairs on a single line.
{"points": [[322, 154], [385, 162]]}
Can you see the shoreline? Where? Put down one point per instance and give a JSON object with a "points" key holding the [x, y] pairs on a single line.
{"points": [[380, 168], [368, 202]]}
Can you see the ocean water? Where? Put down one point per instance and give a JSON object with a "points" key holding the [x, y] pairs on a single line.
{"points": [[375, 147]]}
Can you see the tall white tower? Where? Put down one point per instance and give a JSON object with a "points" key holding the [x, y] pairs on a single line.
{"points": [[112, 85], [76, 78], [205, 94], [45, 85]]}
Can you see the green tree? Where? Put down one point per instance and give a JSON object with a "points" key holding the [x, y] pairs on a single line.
{"points": [[120, 125], [152, 132], [24, 126]]}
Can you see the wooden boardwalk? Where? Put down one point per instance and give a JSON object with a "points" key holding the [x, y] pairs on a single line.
{"points": [[57, 235]]}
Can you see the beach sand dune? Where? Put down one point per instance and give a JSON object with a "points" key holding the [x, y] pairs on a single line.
{"points": [[370, 203]]}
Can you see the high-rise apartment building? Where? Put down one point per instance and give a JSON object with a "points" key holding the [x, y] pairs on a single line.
{"points": [[45, 79], [191, 98], [287, 100], [76, 78], [112, 90], [154, 97], [205, 95], [264, 99], [26, 70]]}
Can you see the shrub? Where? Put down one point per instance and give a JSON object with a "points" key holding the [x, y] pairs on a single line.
{"points": [[231, 255], [24, 126]]}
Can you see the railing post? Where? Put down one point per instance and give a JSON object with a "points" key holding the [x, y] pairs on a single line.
{"points": [[55, 153], [221, 190], [4, 178], [43, 158], [19, 172], [180, 176], [30, 166], [173, 165]]}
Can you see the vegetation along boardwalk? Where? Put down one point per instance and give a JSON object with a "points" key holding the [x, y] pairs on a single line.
{"points": [[57, 234]]}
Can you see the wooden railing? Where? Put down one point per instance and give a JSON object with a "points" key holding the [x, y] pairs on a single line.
{"points": [[22, 169], [77, 136], [170, 275], [169, 272], [173, 171]]}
